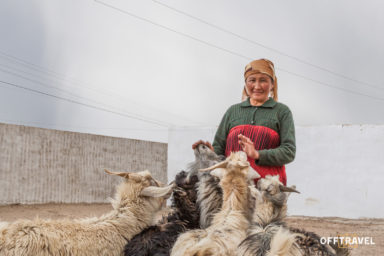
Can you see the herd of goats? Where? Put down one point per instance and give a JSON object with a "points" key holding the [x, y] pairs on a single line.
{"points": [[216, 210]]}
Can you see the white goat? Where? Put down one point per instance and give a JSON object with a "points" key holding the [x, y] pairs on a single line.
{"points": [[229, 225], [136, 201]]}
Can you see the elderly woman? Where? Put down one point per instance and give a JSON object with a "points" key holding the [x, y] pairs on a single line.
{"points": [[260, 126]]}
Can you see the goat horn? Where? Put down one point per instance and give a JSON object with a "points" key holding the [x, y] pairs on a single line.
{"points": [[218, 165], [121, 174], [158, 191], [288, 189], [126, 175]]}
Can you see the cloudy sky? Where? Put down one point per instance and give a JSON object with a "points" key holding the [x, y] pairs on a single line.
{"points": [[135, 68]]}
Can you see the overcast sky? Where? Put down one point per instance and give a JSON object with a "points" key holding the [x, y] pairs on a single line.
{"points": [[136, 68]]}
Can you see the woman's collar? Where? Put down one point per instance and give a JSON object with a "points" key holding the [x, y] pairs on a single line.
{"points": [[270, 103]]}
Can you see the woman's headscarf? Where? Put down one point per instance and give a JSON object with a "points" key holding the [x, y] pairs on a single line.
{"points": [[261, 66]]}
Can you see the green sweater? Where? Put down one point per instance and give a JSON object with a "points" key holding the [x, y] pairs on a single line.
{"points": [[271, 114]]}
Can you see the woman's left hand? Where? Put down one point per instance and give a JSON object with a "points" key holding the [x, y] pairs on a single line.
{"points": [[247, 146]]}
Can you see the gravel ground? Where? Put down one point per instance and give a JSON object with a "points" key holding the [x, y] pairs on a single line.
{"points": [[329, 226]]}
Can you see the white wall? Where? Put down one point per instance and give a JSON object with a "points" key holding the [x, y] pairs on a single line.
{"points": [[337, 169]]}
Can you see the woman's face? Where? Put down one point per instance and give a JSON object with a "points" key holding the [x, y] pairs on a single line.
{"points": [[258, 87]]}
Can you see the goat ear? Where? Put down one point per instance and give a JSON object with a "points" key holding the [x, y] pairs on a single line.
{"points": [[288, 189], [218, 172], [121, 174], [218, 165], [153, 191], [126, 175], [252, 174]]}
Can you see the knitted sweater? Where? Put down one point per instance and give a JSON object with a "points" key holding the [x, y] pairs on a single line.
{"points": [[271, 114]]}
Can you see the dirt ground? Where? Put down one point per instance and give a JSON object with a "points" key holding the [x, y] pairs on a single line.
{"points": [[329, 226]]}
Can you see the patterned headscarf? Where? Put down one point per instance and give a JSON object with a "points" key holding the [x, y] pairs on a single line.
{"points": [[261, 66]]}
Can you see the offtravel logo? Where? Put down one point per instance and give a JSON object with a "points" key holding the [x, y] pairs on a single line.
{"points": [[348, 240]]}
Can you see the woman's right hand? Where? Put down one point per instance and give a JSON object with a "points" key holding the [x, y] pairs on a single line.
{"points": [[206, 143], [248, 147]]}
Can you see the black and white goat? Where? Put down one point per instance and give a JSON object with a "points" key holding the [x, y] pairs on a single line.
{"points": [[310, 245], [209, 193], [268, 234], [159, 239]]}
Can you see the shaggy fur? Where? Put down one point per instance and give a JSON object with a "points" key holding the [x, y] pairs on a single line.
{"points": [[283, 243], [209, 193], [310, 245], [230, 223], [209, 198], [159, 239], [263, 236], [340, 251], [3, 224], [268, 234], [133, 209]]}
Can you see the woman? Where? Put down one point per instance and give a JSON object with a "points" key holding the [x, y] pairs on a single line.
{"points": [[260, 126]]}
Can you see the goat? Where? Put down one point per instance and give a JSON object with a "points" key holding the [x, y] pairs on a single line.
{"points": [[136, 201], [158, 239], [229, 225], [204, 158], [268, 234], [209, 193], [209, 198]]}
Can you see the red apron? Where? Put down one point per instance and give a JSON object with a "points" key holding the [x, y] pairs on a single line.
{"points": [[263, 138]]}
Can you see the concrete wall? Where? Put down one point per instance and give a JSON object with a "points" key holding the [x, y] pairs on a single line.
{"points": [[337, 169], [40, 165]]}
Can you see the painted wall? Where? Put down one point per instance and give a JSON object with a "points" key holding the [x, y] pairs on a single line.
{"points": [[41, 165], [337, 169]]}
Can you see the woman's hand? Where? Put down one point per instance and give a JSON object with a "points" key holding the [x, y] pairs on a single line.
{"points": [[247, 146], [206, 143]]}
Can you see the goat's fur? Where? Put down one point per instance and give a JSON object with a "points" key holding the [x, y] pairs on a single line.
{"points": [[159, 239], [229, 225], [340, 251], [268, 234], [136, 201], [310, 245], [283, 243], [209, 198], [3, 224], [209, 193]]}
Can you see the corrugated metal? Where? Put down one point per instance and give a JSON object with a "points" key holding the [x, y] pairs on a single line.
{"points": [[41, 165]]}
